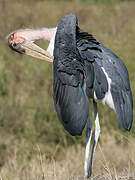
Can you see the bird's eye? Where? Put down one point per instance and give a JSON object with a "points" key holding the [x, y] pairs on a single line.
{"points": [[14, 45]]}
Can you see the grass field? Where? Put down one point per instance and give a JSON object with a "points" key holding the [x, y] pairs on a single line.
{"points": [[112, 162], [33, 144]]}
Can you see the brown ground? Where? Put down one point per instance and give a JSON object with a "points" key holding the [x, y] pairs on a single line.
{"points": [[112, 162]]}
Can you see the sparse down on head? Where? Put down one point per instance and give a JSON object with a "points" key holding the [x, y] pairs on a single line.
{"points": [[22, 41]]}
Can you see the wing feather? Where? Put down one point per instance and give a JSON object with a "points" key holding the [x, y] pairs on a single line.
{"points": [[71, 101], [100, 57]]}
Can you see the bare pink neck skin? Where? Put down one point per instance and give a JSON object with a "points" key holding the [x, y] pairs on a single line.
{"points": [[37, 34]]}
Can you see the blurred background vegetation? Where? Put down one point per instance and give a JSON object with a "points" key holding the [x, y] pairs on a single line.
{"points": [[27, 114]]}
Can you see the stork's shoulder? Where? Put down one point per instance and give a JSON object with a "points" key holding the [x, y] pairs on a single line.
{"points": [[119, 91], [114, 67]]}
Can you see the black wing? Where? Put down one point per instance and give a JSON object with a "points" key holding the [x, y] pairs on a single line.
{"points": [[120, 87], [89, 50], [102, 60], [71, 101]]}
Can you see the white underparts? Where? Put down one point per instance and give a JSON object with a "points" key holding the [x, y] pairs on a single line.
{"points": [[108, 96], [50, 48]]}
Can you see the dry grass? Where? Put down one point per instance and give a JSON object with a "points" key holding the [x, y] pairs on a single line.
{"points": [[112, 161]]}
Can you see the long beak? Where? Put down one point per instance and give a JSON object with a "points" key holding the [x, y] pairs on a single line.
{"points": [[32, 49], [23, 46]]}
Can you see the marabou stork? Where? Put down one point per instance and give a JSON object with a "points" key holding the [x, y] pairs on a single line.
{"points": [[83, 68]]}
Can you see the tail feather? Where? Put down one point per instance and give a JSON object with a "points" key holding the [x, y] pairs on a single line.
{"points": [[124, 108]]}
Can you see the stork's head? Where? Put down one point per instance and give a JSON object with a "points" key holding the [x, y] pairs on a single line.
{"points": [[14, 42], [22, 41]]}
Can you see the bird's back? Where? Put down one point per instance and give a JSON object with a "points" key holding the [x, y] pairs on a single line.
{"points": [[111, 80]]}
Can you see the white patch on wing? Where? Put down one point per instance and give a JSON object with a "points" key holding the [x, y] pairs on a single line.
{"points": [[50, 48], [108, 96]]}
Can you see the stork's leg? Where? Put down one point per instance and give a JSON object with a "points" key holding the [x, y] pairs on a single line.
{"points": [[88, 140], [96, 136]]}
